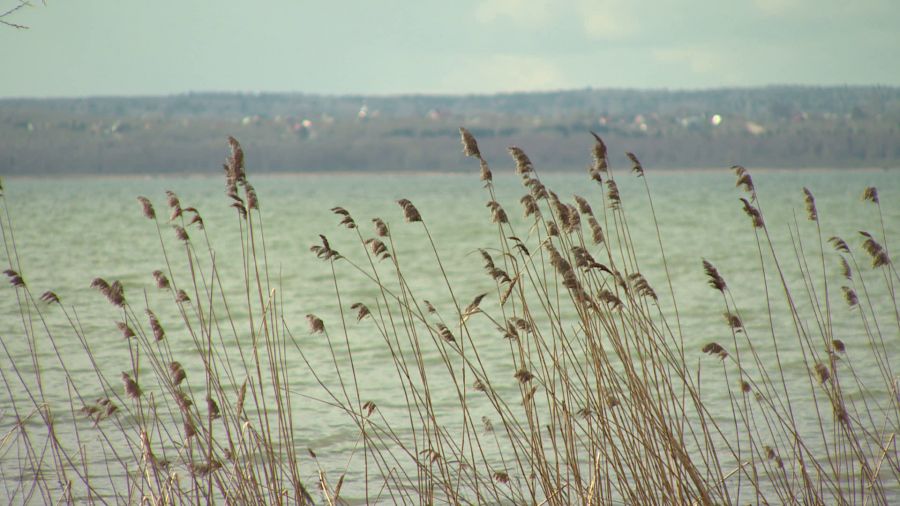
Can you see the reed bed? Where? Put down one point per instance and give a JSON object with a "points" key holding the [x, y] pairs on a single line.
{"points": [[594, 397]]}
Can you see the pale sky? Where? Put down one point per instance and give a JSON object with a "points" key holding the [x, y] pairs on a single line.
{"points": [[131, 47]]}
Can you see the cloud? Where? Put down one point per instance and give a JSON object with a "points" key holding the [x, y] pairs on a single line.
{"points": [[525, 12], [776, 7], [505, 72], [608, 19], [598, 19], [700, 61]]}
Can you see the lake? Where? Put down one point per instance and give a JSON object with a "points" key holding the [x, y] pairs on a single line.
{"points": [[69, 231]]}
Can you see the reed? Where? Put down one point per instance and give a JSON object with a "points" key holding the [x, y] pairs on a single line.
{"points": [[594, 397]]}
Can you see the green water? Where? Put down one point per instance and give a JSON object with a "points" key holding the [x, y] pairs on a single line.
{"points": [[69, 231]]}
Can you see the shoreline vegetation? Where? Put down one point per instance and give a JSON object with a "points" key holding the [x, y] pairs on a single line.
{"points": [[594, 398], [787, 126]]}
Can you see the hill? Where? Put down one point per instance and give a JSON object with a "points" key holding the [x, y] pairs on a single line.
{"points": [[789, 126]]}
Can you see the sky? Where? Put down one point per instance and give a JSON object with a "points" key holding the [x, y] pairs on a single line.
{"points": [[163, 47]]}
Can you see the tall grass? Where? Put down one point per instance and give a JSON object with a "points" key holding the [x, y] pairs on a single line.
{"points": [[594, 397]]}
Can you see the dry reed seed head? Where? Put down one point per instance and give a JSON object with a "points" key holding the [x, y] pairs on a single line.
{"points": [[316, 325], [636, 166], [583, 205], [410, 213], [596, 230], [252, 199], [473, 306], [114, 292], [523, 163], [127, 332], [552, 229], [196, 220], [744, 179], [612, 192], [429, 307], [236, 160], [822, 372], [132, 389], [162, 282], [369, 407], [204, 468], [850, 296], [875, 250], [601, 163], [641, 286], [537, 188], [745, 387], [733, 321], [530, 206], [176, 213], [14, 278], [98, 283], [212, 408], [158, 332], [470, 145], [715, 349], [753, 213], [172, 200], [381, 229], [147, 208], [583, 259], [839, 244], [346, 220], [431, 455], [324, 252], [845, 269], [610, 299], [176, 373], [715, 279], [524, 375], [445, 333], [241, 396], [574, 219], [838, 346], [189, 429], [242, 211], [183, 401], [181, 296], [180, 233], [498, 215], [487, 424], [501, 477], [50, 297], [811, 213], [519, 246], [378, 248], [870, 194], [511, 332], [486, 174], [361, 310]]}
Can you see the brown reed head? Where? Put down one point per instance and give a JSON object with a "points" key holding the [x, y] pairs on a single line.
{"points": [[523, 163], [14, 278], [715, 349], [753, 213], [132, 389], [871, 194], [715, 279], [636, 166], [316, 325], [410, 213], [50, 297], [346, 220], [811, 213], [147, 208]]}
